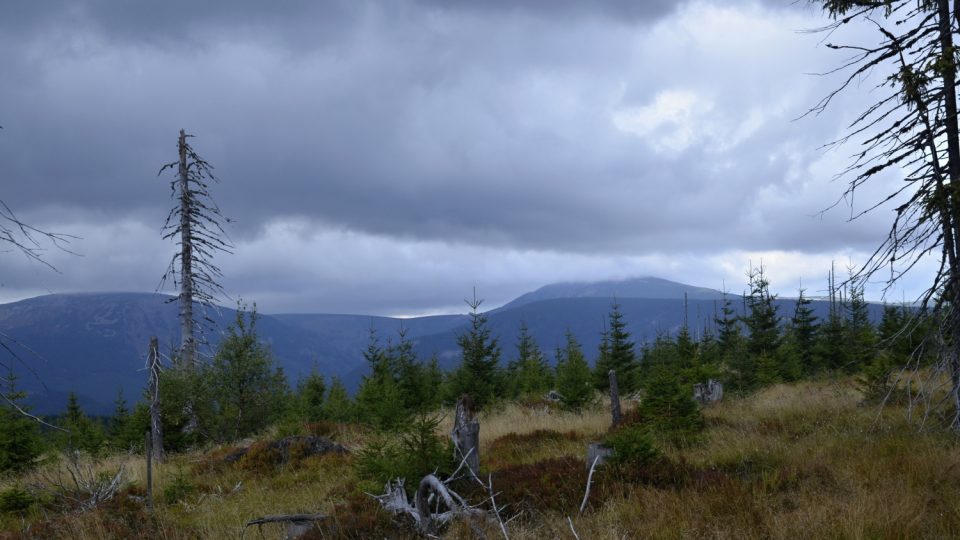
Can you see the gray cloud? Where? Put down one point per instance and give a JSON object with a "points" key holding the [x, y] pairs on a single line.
{"points": [[559, 129]]}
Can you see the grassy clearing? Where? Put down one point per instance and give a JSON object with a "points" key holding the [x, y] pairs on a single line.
{"points": [[804, 460]]}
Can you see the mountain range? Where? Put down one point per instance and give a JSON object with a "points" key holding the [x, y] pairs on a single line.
{"points": [[95, 344]]}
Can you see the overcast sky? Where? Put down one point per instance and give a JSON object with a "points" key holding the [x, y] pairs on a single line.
{"points": [[386, 157]]}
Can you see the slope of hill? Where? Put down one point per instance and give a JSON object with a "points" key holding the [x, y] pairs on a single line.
{"points": [[645, 287], [95, 344]]}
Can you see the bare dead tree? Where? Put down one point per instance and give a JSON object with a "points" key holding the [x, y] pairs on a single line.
{"points": [[910, 129], [197, 224]]}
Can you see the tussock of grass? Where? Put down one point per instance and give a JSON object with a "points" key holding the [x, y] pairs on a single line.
{"points": [[806, 460]]}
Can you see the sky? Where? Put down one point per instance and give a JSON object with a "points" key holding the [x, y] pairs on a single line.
{"points": [[389, 157]]}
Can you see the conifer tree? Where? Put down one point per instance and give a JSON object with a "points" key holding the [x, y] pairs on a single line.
{"points": [[529, 374], [617, 355], [803, 333], [311, 391], [379, 400], [478, 374], [248, 388], [20, 440], [860, 335], [82, 433], [338, 405], [574, 378]]}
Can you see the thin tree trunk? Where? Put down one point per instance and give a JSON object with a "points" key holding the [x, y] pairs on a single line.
{"points": [[614, 399], [156, 427], [945, 31], [188, 349]]}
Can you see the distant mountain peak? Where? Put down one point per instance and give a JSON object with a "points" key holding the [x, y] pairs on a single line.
{"points": [[639, 287]]}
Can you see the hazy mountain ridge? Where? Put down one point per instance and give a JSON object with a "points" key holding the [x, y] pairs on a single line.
{"points": [[95, 343]]}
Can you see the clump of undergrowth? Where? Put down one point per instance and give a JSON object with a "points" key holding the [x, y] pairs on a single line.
{"points": [[16, 500], [412, 454], [178, 489], [516, 448], [360, 517], [551, 484]]}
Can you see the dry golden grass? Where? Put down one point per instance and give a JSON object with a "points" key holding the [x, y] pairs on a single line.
{"points": [[804, 460]]}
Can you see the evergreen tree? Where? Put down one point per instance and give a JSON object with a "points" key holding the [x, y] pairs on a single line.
{"points": [[82, 433], [761, 320], [248, 389], [122, 430], [729, 336], [411, 376], [379, 400], [574, 382], [338, 406], [617, 353], [20, 441], [668, 407], [860, 335], [803, 334], [529, 374], [310, 393], [478, 374]]}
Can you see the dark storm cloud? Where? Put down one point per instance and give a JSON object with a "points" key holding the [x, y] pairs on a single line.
{"points": [[542, 129]]}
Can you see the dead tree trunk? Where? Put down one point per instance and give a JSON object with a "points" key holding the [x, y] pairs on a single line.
{"points": [[156, 428], [149, 455], [614, 399], [188, 347], [466, 435]]}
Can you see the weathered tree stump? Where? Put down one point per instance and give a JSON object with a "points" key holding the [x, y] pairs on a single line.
{"points": [[597, 452], [466, 434], [614, 399], [708, 393]]}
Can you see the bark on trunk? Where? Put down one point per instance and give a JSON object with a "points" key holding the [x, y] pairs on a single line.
{"points": [[156, 427], [188, 348], [614, 399], [466, 435]]}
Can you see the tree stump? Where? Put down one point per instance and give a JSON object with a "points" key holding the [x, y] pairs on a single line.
{"points": [[614, 399], [466, 434], [599, 452]]}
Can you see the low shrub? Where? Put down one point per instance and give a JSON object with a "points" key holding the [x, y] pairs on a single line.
{"points": [[551, 484], [16, 500], [178, 489]]}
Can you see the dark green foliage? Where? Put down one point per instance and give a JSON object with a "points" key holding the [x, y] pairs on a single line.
{"points": [[379, 399], [126, 430], [248, 389], [411, 454], [20, 441], [860, 335], [617, 353], [668, 408], [83, 433], [178, 489], [632, 445], [478, 374], [729, 336], [241, 392], [574, 378], [311, 391], [528, 375], [339, 407], [802, 335], [16, 500]]}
